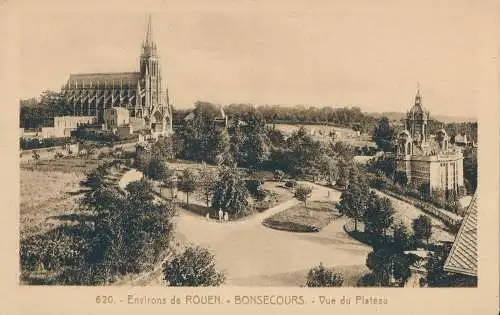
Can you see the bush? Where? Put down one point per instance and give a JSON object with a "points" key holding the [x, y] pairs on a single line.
{"points": [[279, 175], [253, 186], [320, 276], [291, 184], [194, 267], [378, 181]]}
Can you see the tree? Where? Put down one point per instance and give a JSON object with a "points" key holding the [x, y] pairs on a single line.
{"points": [[194, 267], [378, 216], [354, 200], [302, 193], [93, 180], [380, 262], [207, 178], [35, 156], [402, 237], [279, 175], [320, 276], [388, 264], [163, 149], [188, 183], [382, 134], [422, 228], [401, 178], [156, 169], [230, 193]]}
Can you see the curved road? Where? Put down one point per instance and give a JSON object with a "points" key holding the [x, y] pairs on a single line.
{"points": [[251, 254]]}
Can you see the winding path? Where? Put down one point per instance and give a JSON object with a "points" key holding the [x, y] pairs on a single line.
{"points": [[252, 255]]}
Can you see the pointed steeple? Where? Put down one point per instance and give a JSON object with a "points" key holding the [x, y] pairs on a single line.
{"points": [[148, 46], [149, 33], [418, 96]]}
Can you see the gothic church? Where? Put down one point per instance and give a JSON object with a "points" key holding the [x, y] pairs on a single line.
{"points": [[141, 93]]}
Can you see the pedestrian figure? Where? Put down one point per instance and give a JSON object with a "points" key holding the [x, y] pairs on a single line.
{"points": [[220, 215], [226, 216], [208, 216]]}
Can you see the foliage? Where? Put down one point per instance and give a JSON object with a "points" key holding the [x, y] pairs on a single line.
{"points": [[354, 200], [403, 239], [387, 264], [401, 178], [41, 114], [320, 276], [252, 141], [230, 193], [202, 138], [422, 228], [382, 134], [291, 184], [438, 277], [188, 182], [253, 185], [194, 267], [470, 169], [127, 233], [207, 178], [378, 216], [279, 175], [302, 193], [163, 149], [35, 155], [156, 169], [302, 153], [28, 144]]}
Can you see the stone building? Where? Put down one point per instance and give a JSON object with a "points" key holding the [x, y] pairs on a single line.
{"points": [[429, 162], [115, 117], [63, 125], [141, 92]]}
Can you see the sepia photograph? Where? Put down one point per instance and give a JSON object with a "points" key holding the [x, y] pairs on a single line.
{"points": [[247, 148], [243, 156]]}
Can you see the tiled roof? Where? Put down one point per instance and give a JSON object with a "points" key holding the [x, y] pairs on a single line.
{"points": [[463, 255]]}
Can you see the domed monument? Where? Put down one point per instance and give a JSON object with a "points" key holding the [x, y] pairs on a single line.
{"points": [[430, 162]]}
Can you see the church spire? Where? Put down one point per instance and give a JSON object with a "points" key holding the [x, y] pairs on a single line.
{"points": [[418, 96], [149, 47], [149, 33]]}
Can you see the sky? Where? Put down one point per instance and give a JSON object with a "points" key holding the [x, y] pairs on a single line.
{"points": [[370, 54]]}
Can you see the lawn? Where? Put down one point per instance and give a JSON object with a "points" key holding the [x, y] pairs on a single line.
{"points": [[45, 197], [63, 165], [299, 219]]}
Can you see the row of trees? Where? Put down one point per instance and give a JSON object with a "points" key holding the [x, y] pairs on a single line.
{"points": [[389, 261], [248, 142]]}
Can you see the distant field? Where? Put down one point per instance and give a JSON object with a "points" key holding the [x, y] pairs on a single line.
{"points": [[44, 196], [67, 165], [322, 133], [288, 129]]}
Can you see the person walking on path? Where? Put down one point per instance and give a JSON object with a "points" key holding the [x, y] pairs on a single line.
{"points": [[220, 215], [226, 216], [208, 216]]}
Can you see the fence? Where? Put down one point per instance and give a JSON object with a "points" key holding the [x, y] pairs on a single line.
{"points": [[450, 219]]}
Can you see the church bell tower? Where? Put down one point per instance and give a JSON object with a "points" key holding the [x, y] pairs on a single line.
{"points": [[150, 73]]}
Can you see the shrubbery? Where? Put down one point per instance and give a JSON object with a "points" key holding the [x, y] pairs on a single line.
{"points": [[28, 144], [194, 267], [320, 276]]}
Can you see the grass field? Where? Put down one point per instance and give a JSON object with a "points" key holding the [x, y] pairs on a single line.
{"points": [[46, 197], [299, 219], [67, 165]]}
